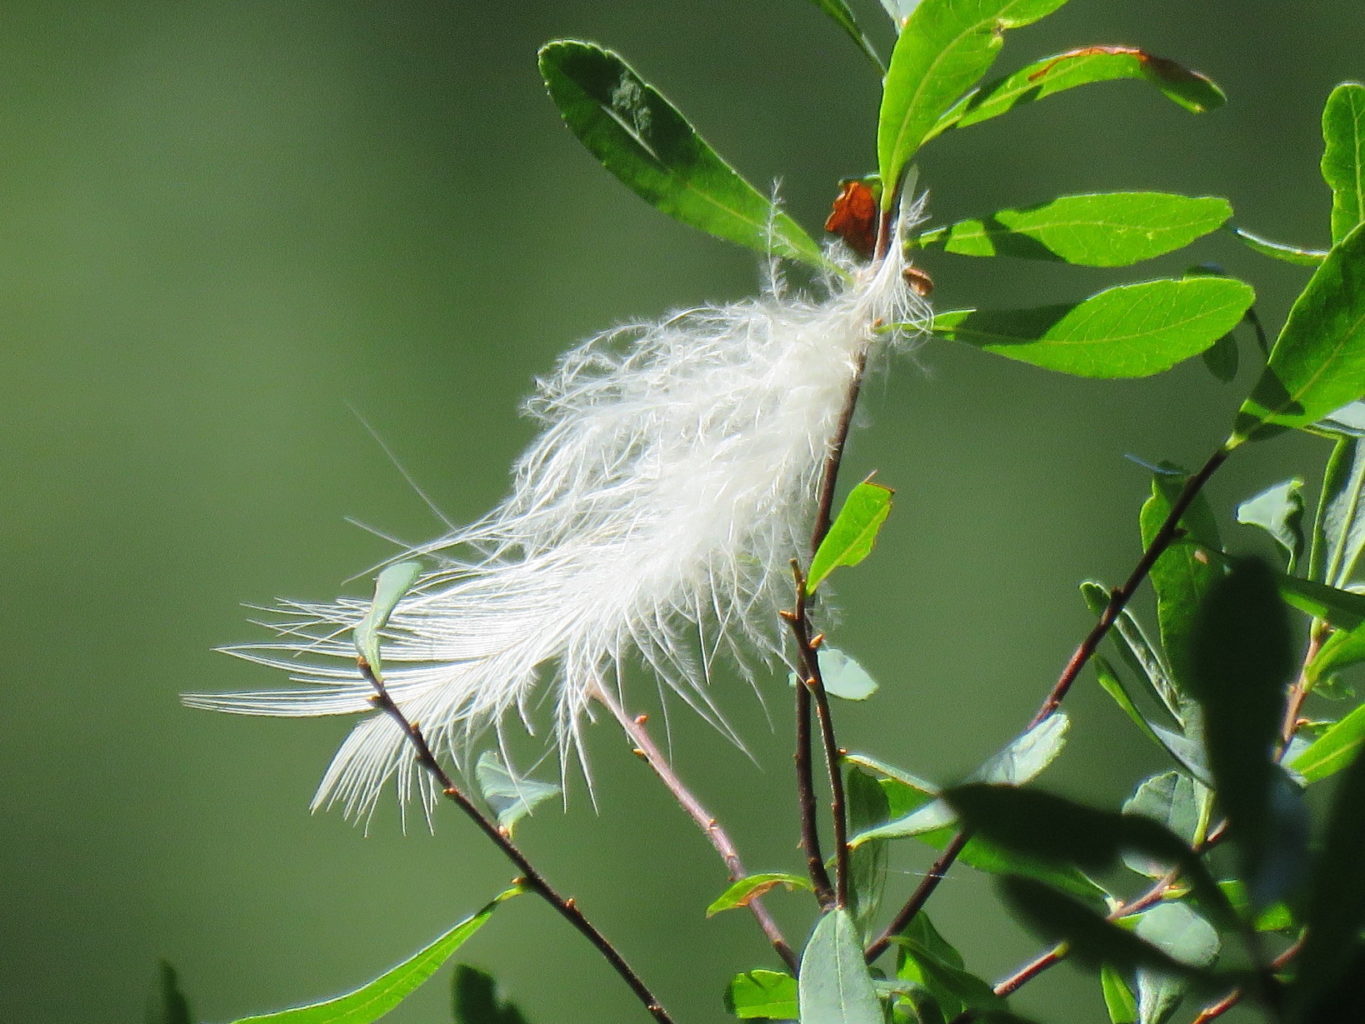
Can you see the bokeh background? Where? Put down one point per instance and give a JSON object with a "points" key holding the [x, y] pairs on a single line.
{"points": [[237, 233]]}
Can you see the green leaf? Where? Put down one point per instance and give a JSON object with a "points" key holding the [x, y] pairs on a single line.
{"points": [[166, 1004], [1295, 254], [1093, 940], [1336, 907], [1063, 71], [1119, 1001], [1131, 330], [868, 806], [1183, 935], [370, 1002], [1344, 648], [1177, 802], [1333, 750], [931, 961], [1137, 652], [1275, 918], [1342, 608], [1241, 660], [740, 892], [475, 999], [1110, 229], [944, 48], [508, 796], [843, 677], [389, 587], [853, 532], [1318, 362], [838, 11], [1339, 529], [1343, 159], [1279, 511], [834, 985], [763, 995], [640, 137]]}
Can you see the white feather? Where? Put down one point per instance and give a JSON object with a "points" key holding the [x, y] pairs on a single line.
{"points": [[655, 516]]}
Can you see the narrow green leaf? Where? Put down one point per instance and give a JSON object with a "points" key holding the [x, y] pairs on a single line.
{"points": [[853, 532], [1274, 918], [1333, 750], [1176, 801], [838, 11], [944, 48], [1093, 940], [1119, 1001], [1336, 907], [476, 1000], [1318, 362], [1297, 255], [389, 587], [640, 137], [1344, 648], [1343, 158], [1241, 660], [1342, 608], [1110, 229], [1137, 652], [764, 995], [928, 959], [834, 986], [1063, 71], [1132, 330], [1279, 511], [868, 806], [370, 1002], [1183, 935], [740, 892], [1339, 530], [509, 796], [1185, 752], [166, 1004]]}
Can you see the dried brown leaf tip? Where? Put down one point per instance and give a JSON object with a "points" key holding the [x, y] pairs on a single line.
{"points": [[919, 281], [854, 217]]}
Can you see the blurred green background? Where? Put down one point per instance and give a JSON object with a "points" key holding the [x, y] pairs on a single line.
{"points": [[236, 232]]}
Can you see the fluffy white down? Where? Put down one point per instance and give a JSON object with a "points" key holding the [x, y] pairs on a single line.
{"points": [[653, 518]]}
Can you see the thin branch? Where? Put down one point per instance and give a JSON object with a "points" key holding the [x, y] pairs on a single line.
{"points": [[1216, 1010], [649, 751], [531, 878], [1118, 600], [805, 800]]}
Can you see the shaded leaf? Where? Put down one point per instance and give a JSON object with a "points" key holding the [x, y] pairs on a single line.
{"points": [[1176, 801], [1297, 255], [389, 587], [1274, 918], [1334, 750], [508, 796], [1063, 71], [166, 1004], [475, 999], [840, 14], [371, 1001], [1279, 511], [1342, 608], [1222, 358], [1318, 362], [1339, 529], [763, 995], [834, 986], [929, 959], [868, 806], [1183, 935], [740, 892], [1119, 1001], [1130, 330], [1112, 229], [853, 532], [1344, 648], [641, 138], [943, 49], [1343, 158]]}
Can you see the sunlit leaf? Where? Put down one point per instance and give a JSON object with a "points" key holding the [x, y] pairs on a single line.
{"points": [[508, 796], [1111, 229], [843, 677], [944, 48], [1333, 750], [853, 532], [166, 1004], [1119, 1001], [389, 587], [1344, 648], [843, 17], [762, 995], [1297, 255], [868, 806], [1063, 71], [370, 1002], [834, 985], [640, 137], [476, 1000], [1279, 511], [1138, 653], [1130, 330], [1318, 363], [741, 892], [1339, 530], [927, 958], [1343, 159]]}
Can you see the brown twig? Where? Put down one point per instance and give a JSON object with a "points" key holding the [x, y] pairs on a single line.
{"points": [[1118, 600], [530, 877], [715, 833], [1215, 1010], [805, 801]]}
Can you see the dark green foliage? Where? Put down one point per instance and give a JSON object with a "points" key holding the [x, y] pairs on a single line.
{"points": [[166, 1004], [475, 999]]}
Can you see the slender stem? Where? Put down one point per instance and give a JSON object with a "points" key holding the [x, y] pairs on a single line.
{"points": [[1298, 693], [1118, 600], [1216, 1010], [715, 833], [805, 800], [531, 877], [829, 474]]}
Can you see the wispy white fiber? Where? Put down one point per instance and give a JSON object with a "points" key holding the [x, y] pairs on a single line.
{"points": [[651, 523]]}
